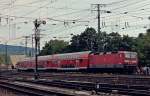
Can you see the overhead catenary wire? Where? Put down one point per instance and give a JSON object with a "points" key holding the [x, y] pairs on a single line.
{"points": [[77, 16], [138, 8], [33, 2], [117, 2], [130, 4]]}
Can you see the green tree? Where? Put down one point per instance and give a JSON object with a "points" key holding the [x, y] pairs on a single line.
{"points": [[143, 48], [101, 40], [128, 43], [84, 41], [113, 42], [54, 47]]}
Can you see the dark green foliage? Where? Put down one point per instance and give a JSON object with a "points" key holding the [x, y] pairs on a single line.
{"points": [[143, 48], [114, 42], [84, 41], [54, 47]]}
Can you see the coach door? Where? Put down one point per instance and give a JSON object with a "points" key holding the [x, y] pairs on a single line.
{"points": [[77, 63]]}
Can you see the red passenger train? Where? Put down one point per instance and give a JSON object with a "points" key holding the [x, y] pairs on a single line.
{"points": [[121, 61]]}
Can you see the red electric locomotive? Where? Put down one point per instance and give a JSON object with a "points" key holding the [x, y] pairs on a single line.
{"points": [[121, 61]]}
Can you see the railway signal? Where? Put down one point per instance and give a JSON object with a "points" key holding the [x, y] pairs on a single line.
{"points": [[37, 24]]}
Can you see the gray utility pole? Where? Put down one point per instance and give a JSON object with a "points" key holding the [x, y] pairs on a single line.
{"points": [[32, 44], [26, 44], [39, 36], [39, 45], [99, 11], [37, 24], [6, 53], [98, 6], [98, 17]]}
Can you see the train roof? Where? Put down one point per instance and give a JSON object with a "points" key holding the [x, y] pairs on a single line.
{"points": [[75, 55], [127, 52]]}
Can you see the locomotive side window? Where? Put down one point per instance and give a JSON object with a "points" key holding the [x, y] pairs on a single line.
{"points": [[127, 55], [77, 61], [54, 61], [130, 55]]}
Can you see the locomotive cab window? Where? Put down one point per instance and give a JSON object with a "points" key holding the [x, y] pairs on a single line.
{"points": [[133, 55]]}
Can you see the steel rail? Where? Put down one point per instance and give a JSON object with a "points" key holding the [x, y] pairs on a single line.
{"points": [[134, 90]]}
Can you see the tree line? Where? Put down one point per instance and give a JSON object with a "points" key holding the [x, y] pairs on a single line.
{"points": [[102, 42]]}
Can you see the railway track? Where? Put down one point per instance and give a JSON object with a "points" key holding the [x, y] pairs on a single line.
{"points": [[37, 89], [103, 78], [133, 90], [118, 79], [122, 84]]}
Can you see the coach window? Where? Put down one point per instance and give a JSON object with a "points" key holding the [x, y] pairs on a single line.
{"points": [[58, 62], [120, 55], [77, 61], [55, 62]]}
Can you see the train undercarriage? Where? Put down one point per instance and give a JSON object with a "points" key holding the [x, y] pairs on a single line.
{"points": [[124, 70]]}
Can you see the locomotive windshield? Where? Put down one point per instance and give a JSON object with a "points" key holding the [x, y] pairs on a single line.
{"points": [[130, 55]]}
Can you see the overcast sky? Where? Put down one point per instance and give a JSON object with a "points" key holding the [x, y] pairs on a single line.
{"points": [[64, 17]]}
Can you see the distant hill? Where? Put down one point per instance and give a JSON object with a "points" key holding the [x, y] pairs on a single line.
{"points": [[14, 50]]}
